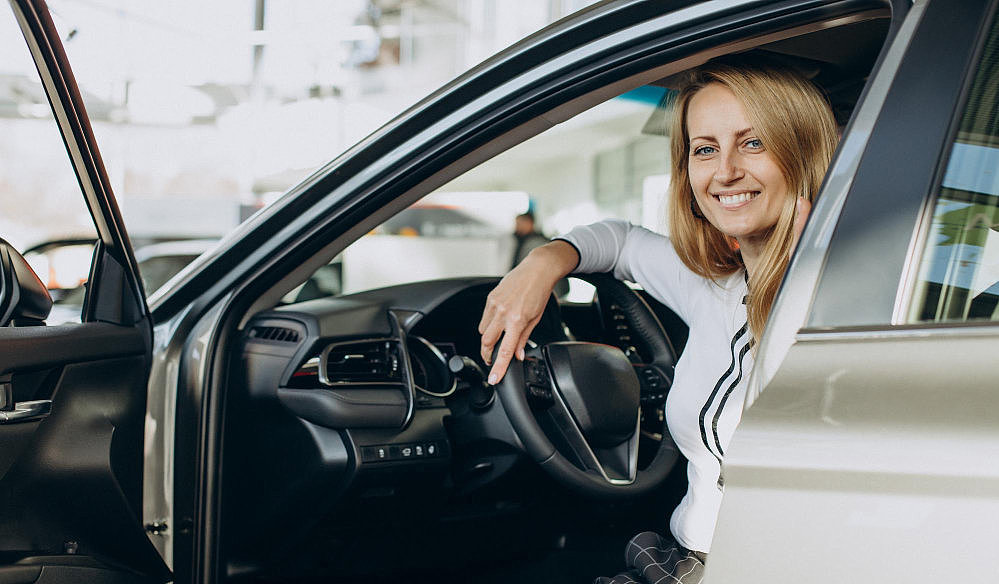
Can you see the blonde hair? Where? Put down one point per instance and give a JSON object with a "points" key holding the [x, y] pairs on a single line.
{"points": [[796, 126]]}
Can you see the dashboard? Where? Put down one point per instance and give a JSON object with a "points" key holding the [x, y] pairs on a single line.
{"points": [[352, 406]]}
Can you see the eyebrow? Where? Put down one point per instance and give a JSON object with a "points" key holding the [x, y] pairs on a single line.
{"points": [[738, 134]]}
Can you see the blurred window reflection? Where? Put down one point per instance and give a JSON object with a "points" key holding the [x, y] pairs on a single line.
{"points": [[562, 176], [959, 275]]}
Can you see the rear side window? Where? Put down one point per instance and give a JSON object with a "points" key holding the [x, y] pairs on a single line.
{"points": [[959, 274]]}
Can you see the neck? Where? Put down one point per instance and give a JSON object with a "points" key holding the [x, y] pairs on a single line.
{"points": [[750, 248]]}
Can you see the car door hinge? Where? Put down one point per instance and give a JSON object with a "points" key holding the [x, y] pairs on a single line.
{"points": [[158, 527]]}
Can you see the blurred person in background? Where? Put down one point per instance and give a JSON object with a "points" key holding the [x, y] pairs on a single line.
{"points": [[526, 237]]}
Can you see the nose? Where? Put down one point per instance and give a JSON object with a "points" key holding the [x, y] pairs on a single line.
{"points": [[729, 167]]}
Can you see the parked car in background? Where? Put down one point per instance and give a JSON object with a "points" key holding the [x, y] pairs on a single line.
{"points": [[158, 262], [220, 431], [68, 262]]}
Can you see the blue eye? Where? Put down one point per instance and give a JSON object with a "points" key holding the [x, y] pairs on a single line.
{"points": [[704, 150], [754, 143]]}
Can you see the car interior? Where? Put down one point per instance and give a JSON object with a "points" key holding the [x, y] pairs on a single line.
{"points": [[371, 449]]}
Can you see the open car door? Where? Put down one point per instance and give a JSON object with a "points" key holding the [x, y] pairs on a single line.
{"points": [[73, 396]]}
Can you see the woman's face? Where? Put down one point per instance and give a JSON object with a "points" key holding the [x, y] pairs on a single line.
{"points": [[737, 183]]}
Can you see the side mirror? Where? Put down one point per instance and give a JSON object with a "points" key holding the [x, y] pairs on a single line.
{"points": [[24, 300]]}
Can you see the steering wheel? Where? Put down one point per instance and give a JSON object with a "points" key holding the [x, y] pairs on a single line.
{"points": [[586, 397]]}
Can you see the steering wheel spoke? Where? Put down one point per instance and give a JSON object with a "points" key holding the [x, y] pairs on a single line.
{"points": [[618, 465], [594, 405]]}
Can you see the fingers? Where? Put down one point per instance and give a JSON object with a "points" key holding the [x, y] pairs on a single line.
{"points": [[512, 347], [524, 337], [490, 336], [505, 354], [803, 207], [514, 331], [491, 326], [512, 328], [487, 316], [513, 309]]}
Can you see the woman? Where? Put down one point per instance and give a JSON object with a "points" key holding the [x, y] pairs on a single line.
{"points": [[750, 143]]}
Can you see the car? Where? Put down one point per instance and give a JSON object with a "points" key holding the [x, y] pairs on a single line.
{"points": [[216, 433], [67, 261]]}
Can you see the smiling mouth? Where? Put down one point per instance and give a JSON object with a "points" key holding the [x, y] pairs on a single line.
{"points": [[737, 198]]}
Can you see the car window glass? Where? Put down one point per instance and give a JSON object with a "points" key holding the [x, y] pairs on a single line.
{"points": [[608, 161], [42, 212], [959, 274]]}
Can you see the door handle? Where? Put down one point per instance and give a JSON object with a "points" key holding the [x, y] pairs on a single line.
{"points": [[27, 411]]}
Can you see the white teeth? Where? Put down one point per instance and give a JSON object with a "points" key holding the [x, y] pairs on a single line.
{"points": [[735, 199]]}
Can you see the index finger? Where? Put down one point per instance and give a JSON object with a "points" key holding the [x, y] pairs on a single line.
{"points": [[507, 348]]}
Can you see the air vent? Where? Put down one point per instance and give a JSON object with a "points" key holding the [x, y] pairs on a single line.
{"points": [[274, 333], [362, 362]]}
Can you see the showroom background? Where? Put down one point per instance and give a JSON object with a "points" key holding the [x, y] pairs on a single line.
{"points": [[205, 112]]}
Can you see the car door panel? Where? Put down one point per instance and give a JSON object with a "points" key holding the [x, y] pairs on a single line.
{"points": [[71, 482], [851, 437], [68, 343]]}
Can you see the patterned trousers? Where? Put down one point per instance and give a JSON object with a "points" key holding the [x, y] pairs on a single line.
{"points": [[653, 559]]}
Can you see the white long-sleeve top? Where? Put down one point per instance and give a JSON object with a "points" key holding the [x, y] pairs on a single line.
{"points": [[705, 403]]}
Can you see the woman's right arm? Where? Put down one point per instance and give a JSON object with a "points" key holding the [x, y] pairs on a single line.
{"points": [[632, 253], [516, 304]]}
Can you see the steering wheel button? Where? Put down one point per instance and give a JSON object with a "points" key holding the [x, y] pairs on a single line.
{"points": [[539, 391]]}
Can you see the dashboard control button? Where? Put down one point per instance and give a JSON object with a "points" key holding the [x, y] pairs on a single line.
{"points": [[375, 453]]}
